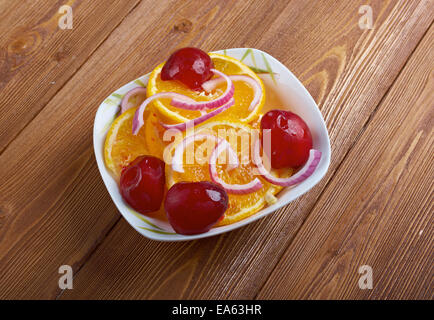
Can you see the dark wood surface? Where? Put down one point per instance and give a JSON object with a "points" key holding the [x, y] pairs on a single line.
{"points": [[375, 91]]}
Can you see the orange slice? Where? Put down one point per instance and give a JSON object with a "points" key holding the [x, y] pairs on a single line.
{"points": [[240, 206], [243, 93], [154, 134], [121, 146]]}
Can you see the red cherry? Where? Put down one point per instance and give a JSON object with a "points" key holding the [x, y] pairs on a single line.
{"points": [[194, 207], [291, 139], [191, 66], [142, 184]]}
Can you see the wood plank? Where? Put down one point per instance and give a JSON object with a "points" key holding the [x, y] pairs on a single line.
{"points": [[37, 57], [378, 208], [54, 208], [348, 71]]}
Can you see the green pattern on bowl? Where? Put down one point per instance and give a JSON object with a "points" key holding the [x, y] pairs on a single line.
{"points": [[117, 95], [270, 71], [149, 223], [140, 83], [157, 231], [111, 102]]}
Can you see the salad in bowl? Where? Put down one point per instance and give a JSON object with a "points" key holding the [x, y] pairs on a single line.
{"points": [[206, 143]]}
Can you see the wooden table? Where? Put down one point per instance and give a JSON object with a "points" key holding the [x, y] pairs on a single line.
{"points": [[375, 89]]}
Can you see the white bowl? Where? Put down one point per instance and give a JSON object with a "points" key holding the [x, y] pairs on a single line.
{"points": [[297, 99]]}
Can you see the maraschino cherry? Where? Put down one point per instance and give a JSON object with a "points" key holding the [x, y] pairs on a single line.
{"points": [[190, 66], [195, 207], [291, 139], [142, 184]]}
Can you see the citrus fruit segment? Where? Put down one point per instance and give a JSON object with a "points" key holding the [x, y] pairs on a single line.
{"points": [[154, 134], [196, 168], [121, 146], [243, 95]]}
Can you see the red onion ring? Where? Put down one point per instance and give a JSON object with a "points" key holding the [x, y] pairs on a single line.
{"points": [[184, 102], [138, 116], [139, 92], [225, 97], [177, 160], [193, 122], [250, 187], [304, 173], [210, 85]]}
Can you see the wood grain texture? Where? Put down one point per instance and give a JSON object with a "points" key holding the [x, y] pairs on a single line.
{"points": [[378, 208], [54, 208], [348, 72], [37, 57]]}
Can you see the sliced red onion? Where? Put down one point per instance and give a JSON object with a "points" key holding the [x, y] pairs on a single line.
{"points": [[138, 116], [139, 93], [210, 85], [304, 173], [191, 123], [224, 98], [250, 187], [177, 161]]}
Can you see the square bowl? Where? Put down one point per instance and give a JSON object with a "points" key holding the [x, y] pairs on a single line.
{"points": [[295, 98]]}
